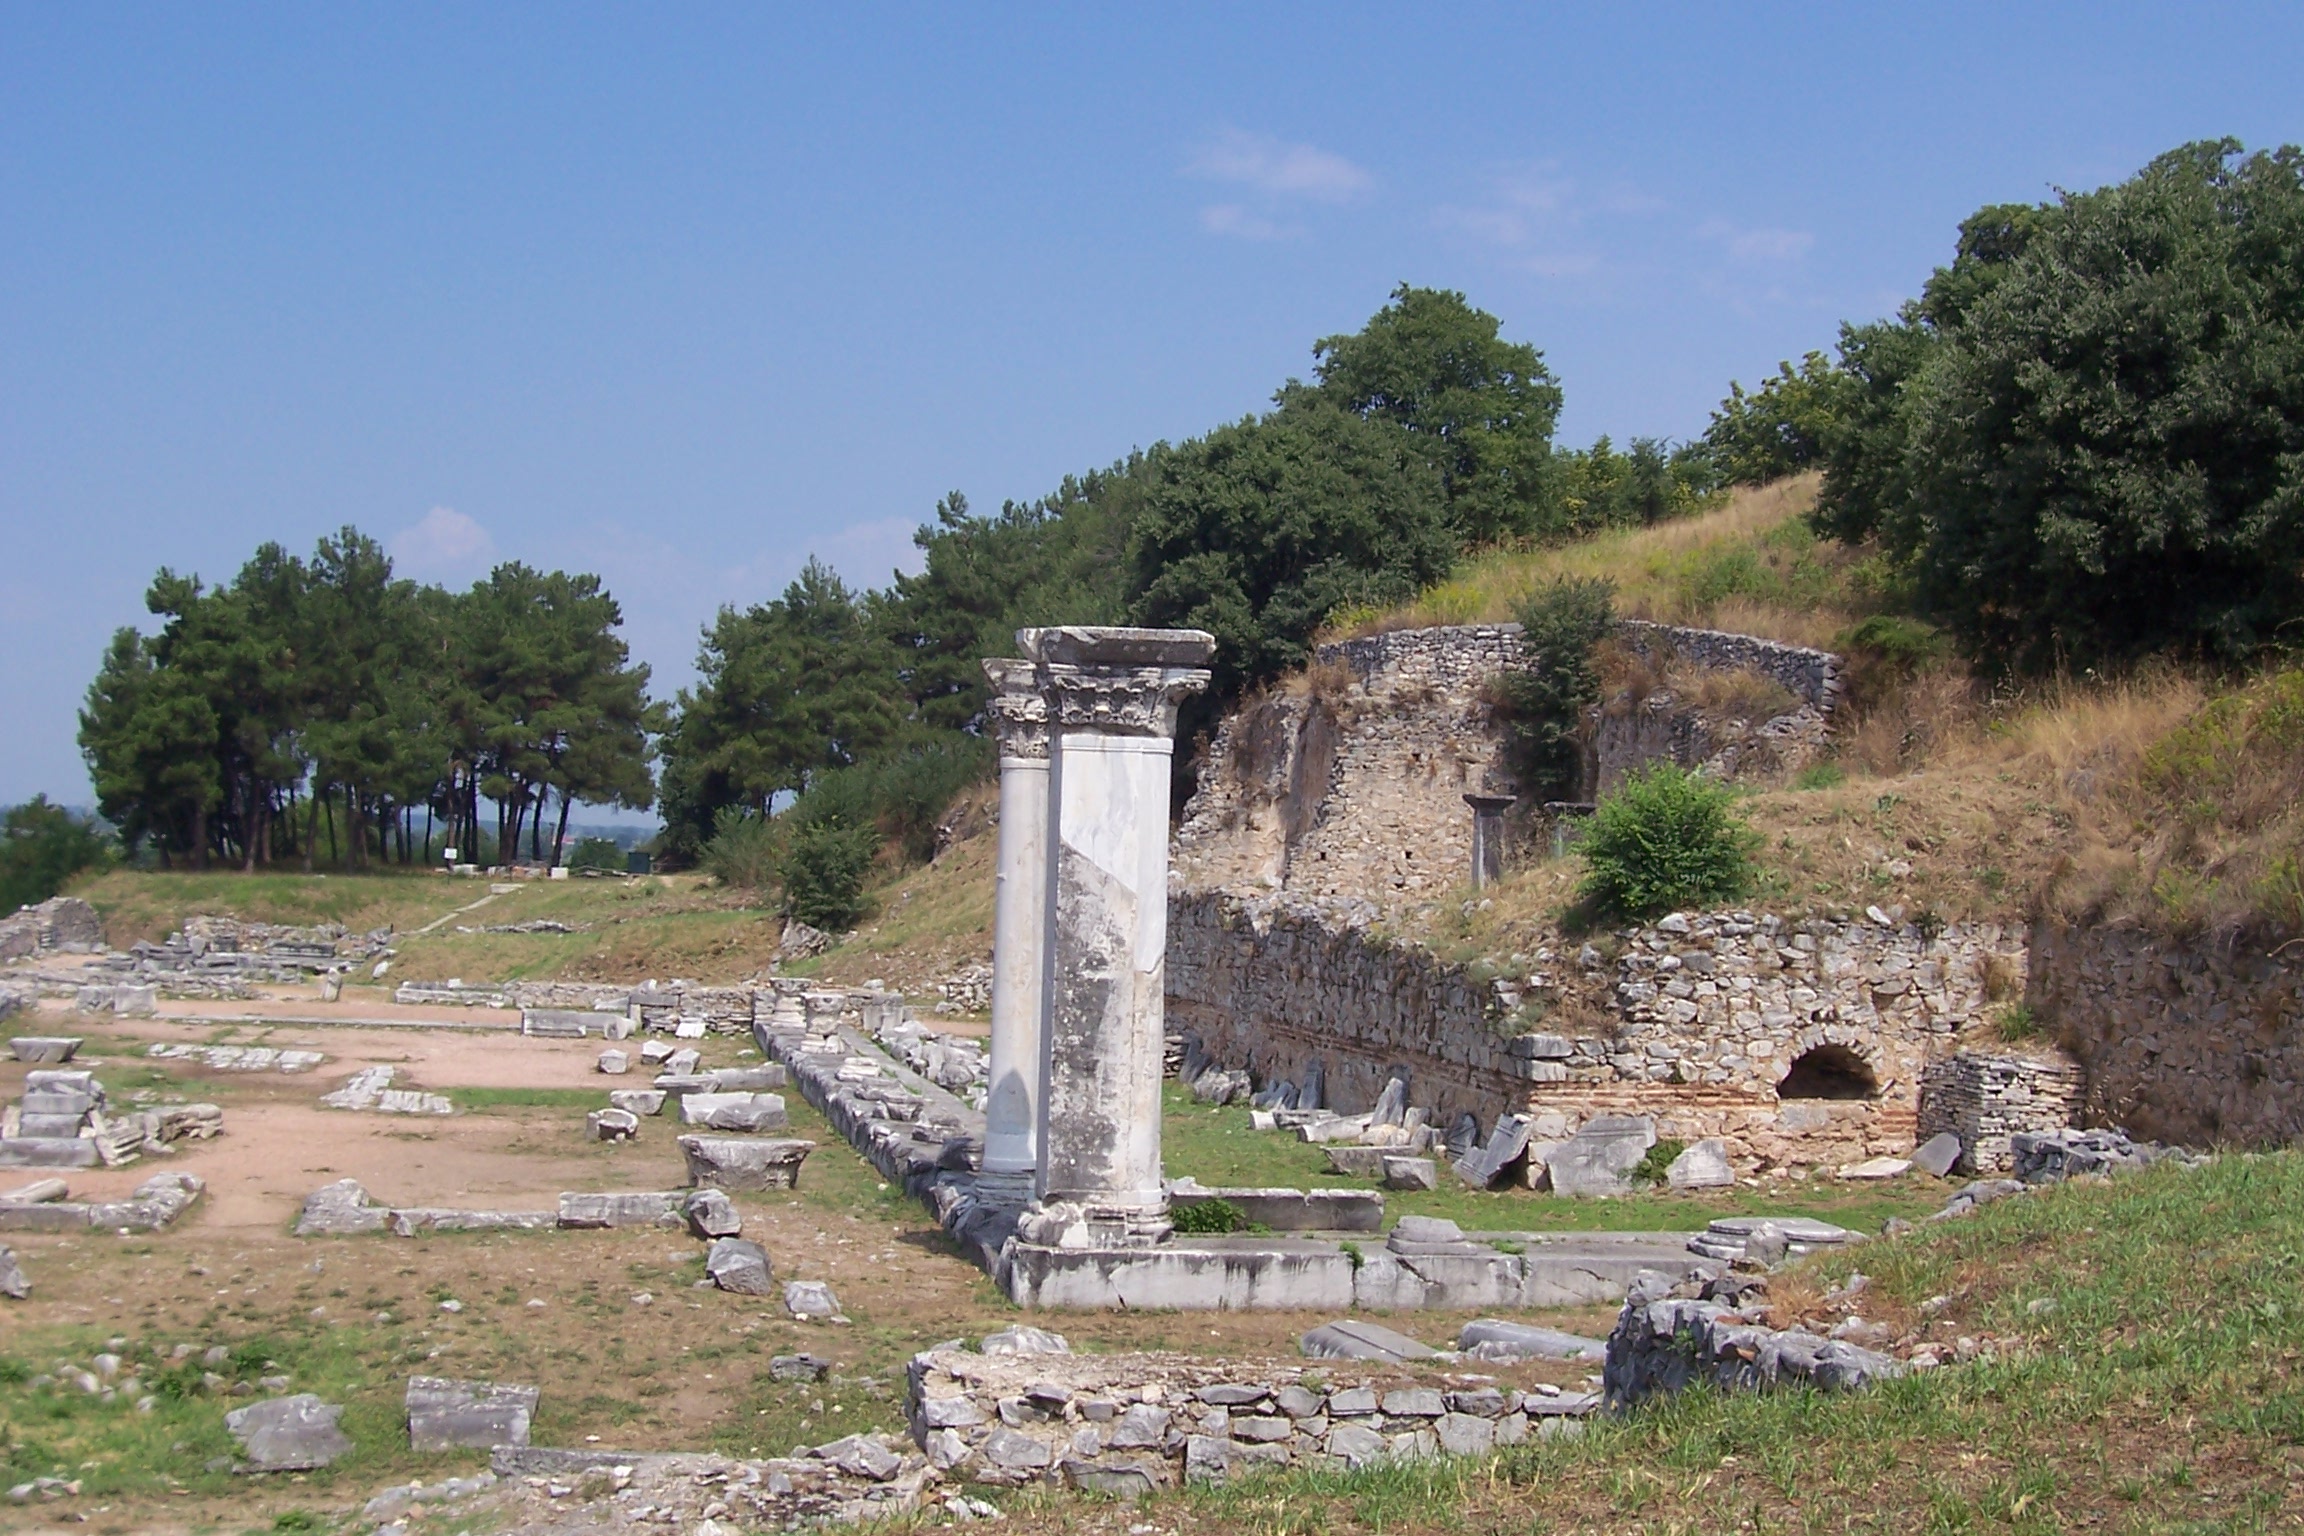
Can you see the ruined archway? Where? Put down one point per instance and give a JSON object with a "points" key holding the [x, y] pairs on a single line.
{"points": [[1829, 1071]]}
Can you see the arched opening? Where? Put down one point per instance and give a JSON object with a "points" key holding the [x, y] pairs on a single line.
{"points": [[1828, 1072]]}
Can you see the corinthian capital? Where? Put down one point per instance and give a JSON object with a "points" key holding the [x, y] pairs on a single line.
{"points": [[1119, 701], [1019, 712]]}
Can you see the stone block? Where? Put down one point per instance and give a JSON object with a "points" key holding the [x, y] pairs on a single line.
{"points": [[1704, 1165], [615, 1063], [734, 1163], [1411, 1173], [1503, 1341], [48, 1152], [1938, 1155], [1600, 1157], [1353, 1339], [749, 1112], [1025, 1340], [1358, 1162], [710, 1213], [634, 1208], [288, 1434], [446, 1415], [810, 1300], [44, 1050], [13, 1285], [749, 1079], [612, 1124], [805, 1367], [637, 1101], [36, 1192], [136, 1002], [1878, 1168], [340, 1209], [741, 1266], [558, 1023]]}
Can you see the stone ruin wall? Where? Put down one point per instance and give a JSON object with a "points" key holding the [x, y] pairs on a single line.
{"points": [[2195, 1042], [1274, 985], [1349, 780], [1624, 739], [1331, 802], [1694, 1023]]}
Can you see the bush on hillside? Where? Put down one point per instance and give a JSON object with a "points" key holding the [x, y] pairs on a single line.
{"points": [[2101, 455], [823, 869], [1542, 701], [744, 851], [42, 846], [1666, 840], [1779, 429]]}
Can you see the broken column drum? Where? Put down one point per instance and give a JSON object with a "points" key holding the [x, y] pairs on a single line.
{"points": [[1019, 917], [1488, 837], [1112, 696]]}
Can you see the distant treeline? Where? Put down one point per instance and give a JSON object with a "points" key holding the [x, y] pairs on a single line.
{"points": [[323, 707]]}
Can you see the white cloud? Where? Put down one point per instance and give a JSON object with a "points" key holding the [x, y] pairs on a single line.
{"points": [[443, 544], [1758, 245], [1233, 220], [1279, 169]]}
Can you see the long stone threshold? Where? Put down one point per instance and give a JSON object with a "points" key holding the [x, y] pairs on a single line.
{"points": [[1334, 1273], [926, 1139]]}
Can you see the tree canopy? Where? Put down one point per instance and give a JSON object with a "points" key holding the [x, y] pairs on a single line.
{"points": [[329, 682]]}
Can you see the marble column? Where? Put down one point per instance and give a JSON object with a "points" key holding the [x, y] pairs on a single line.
{"points": [[1019, 922], [1112, 696]]}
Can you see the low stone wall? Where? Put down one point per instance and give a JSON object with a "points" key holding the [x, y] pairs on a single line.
{"points": [[1811, 674], [2200, 1044], [1985, 1100], [1128, 1424], [1275, 985], [1699, 1018]]}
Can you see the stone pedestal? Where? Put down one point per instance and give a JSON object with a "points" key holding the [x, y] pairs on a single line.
{"points": [[1488, 836], [1111, 696], [1019, 919]]}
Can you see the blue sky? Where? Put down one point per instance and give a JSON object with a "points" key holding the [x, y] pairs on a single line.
{"points": [[684, 294]]}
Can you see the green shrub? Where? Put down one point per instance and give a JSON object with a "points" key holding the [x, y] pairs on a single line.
{"points": [[1820, 776], [596, 853], [1207, 1217], [823, 869], [1657, 1162], [2017, 1022], [1666, 839], [745, 850], [1542, 701]]}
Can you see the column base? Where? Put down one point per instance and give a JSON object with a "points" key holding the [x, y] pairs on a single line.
{"points": [[1005, 1186], [1070, 1224]]}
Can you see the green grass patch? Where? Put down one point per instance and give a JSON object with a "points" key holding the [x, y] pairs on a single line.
{"points": [[528, 1098], [1221, 1149], [2156, 1324]]}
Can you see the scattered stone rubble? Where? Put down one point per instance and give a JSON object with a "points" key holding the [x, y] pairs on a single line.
{"points": [[238, 1058], [154, 1204], [64, 1120], [1672, 1334], [371, 1088]]}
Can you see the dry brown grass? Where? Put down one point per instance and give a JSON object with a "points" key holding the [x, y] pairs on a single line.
{"points": [[1750, 566], [1951, 802]]}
